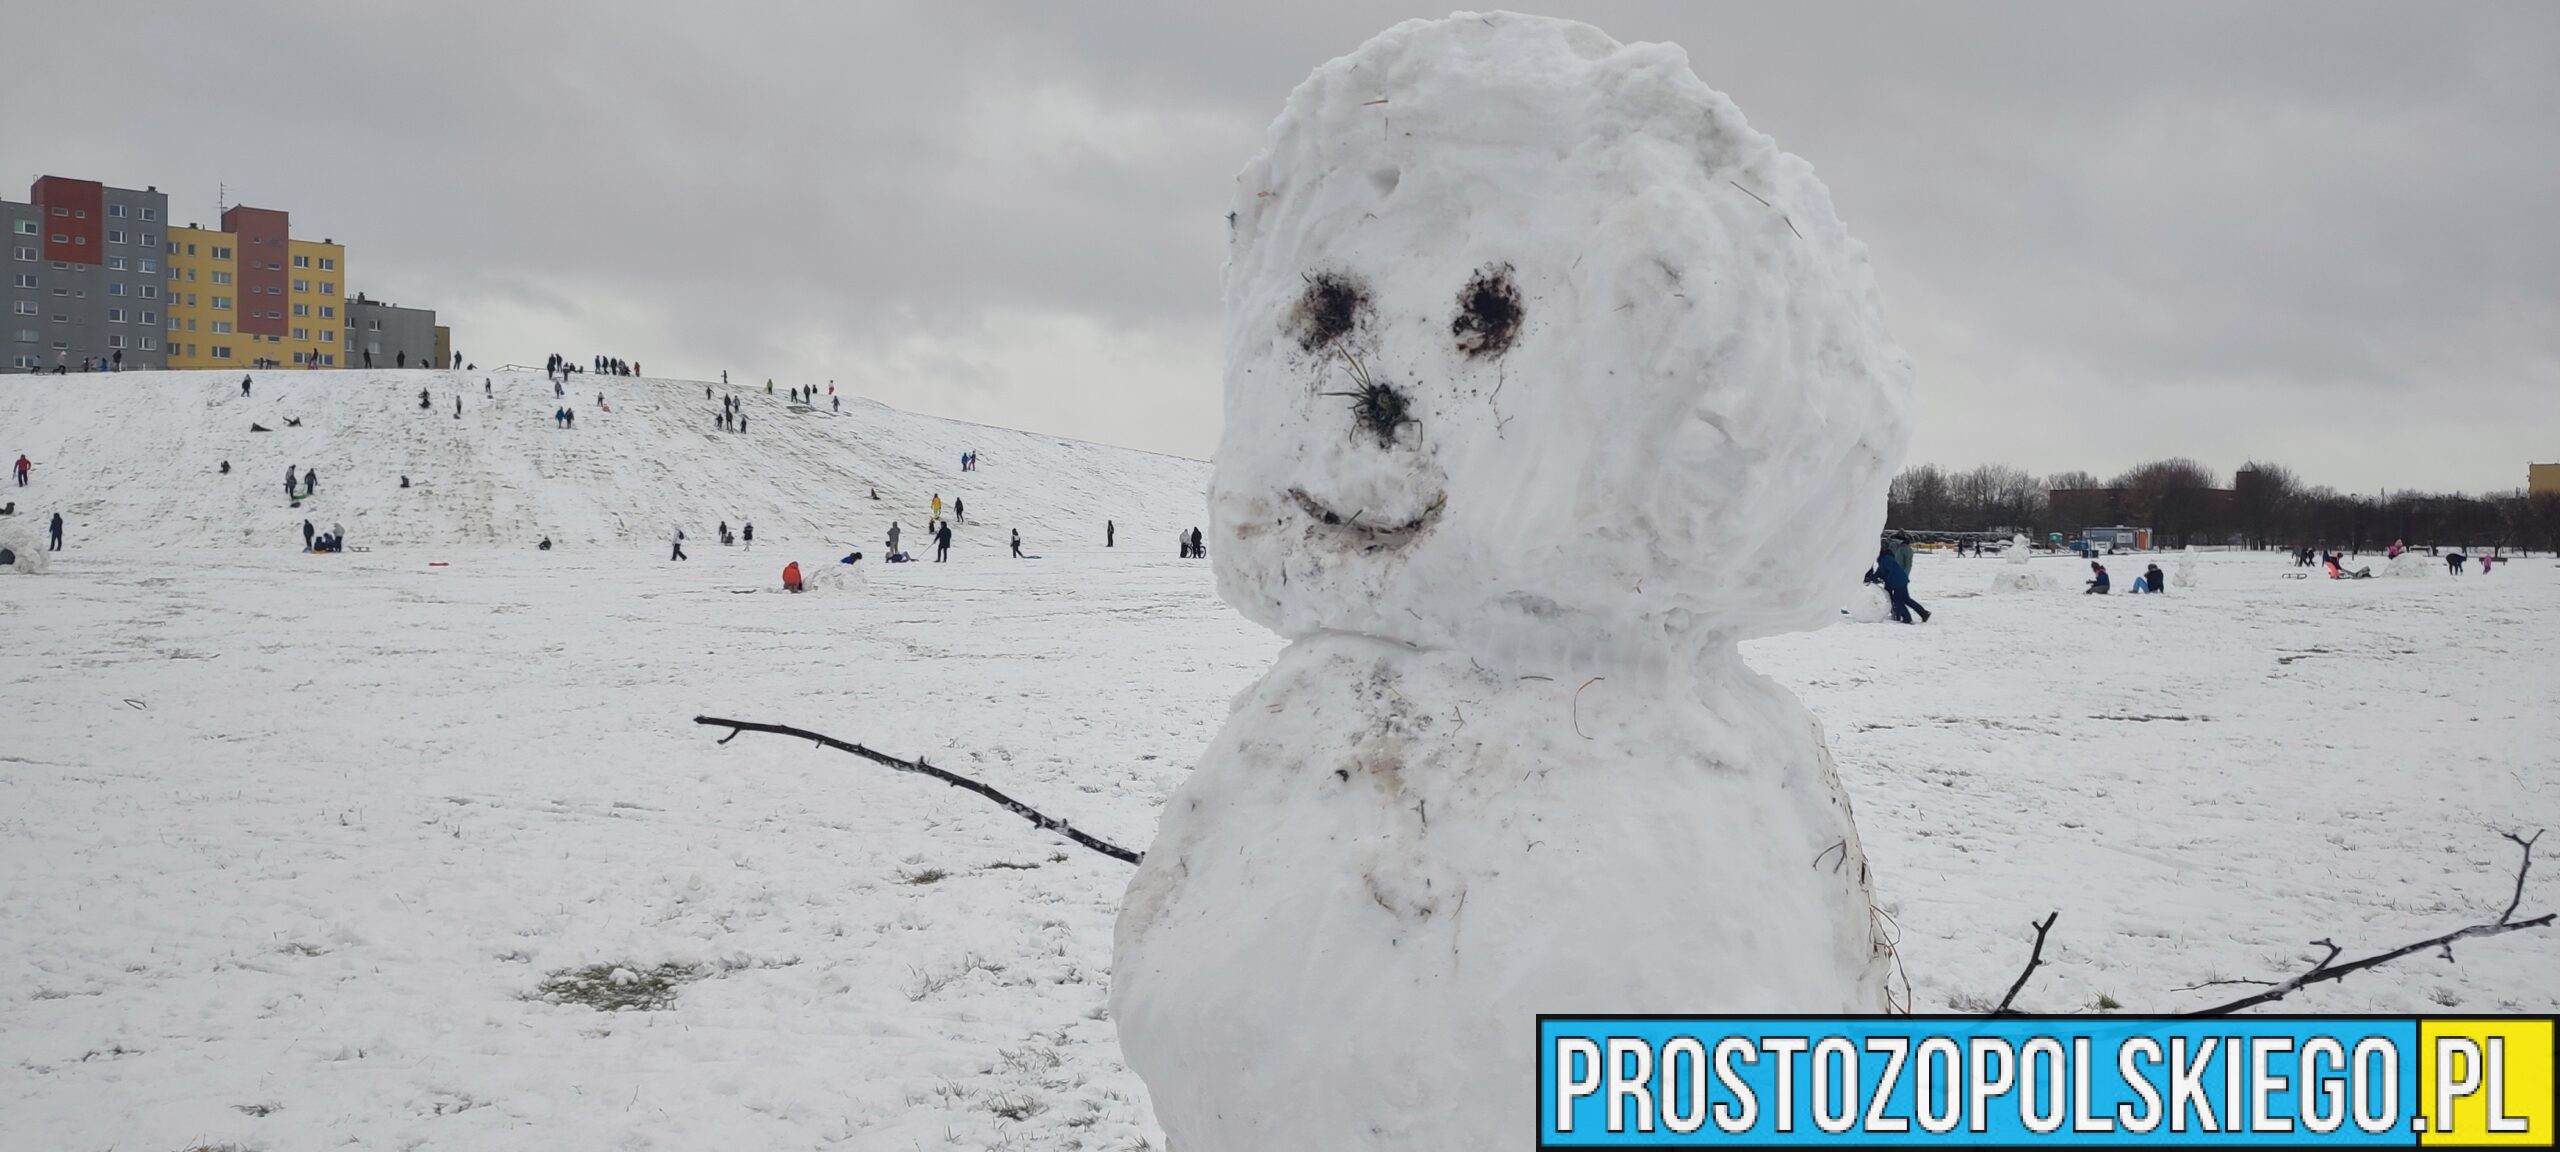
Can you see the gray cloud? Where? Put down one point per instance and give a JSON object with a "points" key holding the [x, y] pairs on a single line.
{"points": [[2320, 233]]}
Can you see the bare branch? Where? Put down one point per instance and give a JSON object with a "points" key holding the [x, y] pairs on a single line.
{"points": [[2521, 869], [2328, 969], [921, 768], [2035, 960]]}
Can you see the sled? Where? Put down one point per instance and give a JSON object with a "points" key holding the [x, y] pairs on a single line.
{"points": [[434, 563], [357, 548]]}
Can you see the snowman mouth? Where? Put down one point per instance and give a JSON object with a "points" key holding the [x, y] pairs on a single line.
{"points": [[1372, 532]]}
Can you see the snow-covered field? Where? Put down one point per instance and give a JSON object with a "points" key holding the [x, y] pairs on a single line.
{"points": [[289, 845]]}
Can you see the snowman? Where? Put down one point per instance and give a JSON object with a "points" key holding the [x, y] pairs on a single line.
{"points": [[1548, 382]]}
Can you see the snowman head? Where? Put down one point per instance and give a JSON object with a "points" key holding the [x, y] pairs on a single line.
{"points": [[1535, 348]]}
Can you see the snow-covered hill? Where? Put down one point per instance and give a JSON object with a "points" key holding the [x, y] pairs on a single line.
{"points": [[134, 458]]}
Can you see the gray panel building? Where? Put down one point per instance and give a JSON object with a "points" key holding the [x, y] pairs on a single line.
{"points": [[85, 276], [381, 335]]}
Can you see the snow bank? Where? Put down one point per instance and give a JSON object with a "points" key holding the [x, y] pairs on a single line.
{"points": [[1547, 380], [2021, 580], [27, 554], [2413, 566], [138, 459]]}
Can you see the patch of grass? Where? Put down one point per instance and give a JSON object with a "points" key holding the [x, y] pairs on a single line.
{"points": [[2107, 1003], [927, 983], [615, 987], [1971, 1002], [257, 1109], [1013, 1107], [923, 876]]}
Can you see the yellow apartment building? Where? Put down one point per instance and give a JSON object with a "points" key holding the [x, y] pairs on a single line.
{"points": [[317, 319], [227, 310]]}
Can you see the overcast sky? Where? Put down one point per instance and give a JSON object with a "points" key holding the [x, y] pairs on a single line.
{"points": [[2322, 234]]}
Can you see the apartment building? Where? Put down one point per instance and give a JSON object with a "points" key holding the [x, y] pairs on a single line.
{"points": [[381, 335], [249, 295], [85, 277]]}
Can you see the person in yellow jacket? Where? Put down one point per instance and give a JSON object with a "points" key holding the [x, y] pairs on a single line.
{"points": [[937, 505]]}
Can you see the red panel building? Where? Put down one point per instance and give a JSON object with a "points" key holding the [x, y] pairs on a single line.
{"points": [[263, 251], [74, 219]]}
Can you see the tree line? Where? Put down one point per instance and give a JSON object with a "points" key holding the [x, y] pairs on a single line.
{"points": [[2265, 505]]}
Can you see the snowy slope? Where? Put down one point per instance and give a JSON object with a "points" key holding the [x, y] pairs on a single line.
{"points": [[133, 459]]}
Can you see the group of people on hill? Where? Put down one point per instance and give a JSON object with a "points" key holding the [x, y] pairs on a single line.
{"points": [[113, 363], [969, 460], [1194, 545], [333, 540], [21, 471], [610, 366], [564, 417], [310, 482], [733, 415], [557, 369], [808, 395]]}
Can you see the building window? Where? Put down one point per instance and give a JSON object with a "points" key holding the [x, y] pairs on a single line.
{"points": [[25, 308], [147, 240], [328, 287], [22, 279], [221, 351], [221, 277], [301, 285], [115, 288], [297, 357], [25, 228], [115, 315], [301, 309], [191, 326], [150, 214], [191, 249], [146, 266], [150, 291], [64, 237], [148, 318], [272, 266], [79, 213], [116, 341], [373, 325], [328, 264], [115, 236], [28, 254], [27, 336], [79, 241], [61, 211], [116, 210], [221, 253], [115, 263], [328, 312], [61, 291], [221, 327], [301, 261], [301, 333], [148, 343]]}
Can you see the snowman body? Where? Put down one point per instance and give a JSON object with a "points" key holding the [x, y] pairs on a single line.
{"points": [[1548, 382]]}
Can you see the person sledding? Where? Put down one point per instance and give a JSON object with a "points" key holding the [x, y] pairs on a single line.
{"points": [[791, 577], [2098, 582]]}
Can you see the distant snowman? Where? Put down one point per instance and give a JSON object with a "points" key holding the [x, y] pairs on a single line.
{"points": [[1548, 381]]}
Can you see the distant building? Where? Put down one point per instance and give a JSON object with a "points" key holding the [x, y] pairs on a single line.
{"points": [[384, 335], [444, 346], [2542, 479], [252, 296], [84, 276]]}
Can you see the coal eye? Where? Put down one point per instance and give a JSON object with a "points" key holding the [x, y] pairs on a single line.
{"points": [[1488, 313], [1328, 310]]}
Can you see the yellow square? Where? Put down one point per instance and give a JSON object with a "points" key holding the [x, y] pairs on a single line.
{"points": [[2487, 1082]]}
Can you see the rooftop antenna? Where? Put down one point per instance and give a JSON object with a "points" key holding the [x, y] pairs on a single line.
{"points": [[221, 199]]}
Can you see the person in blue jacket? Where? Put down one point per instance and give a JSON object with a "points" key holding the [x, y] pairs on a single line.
{"points": [[1897, 584]]}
